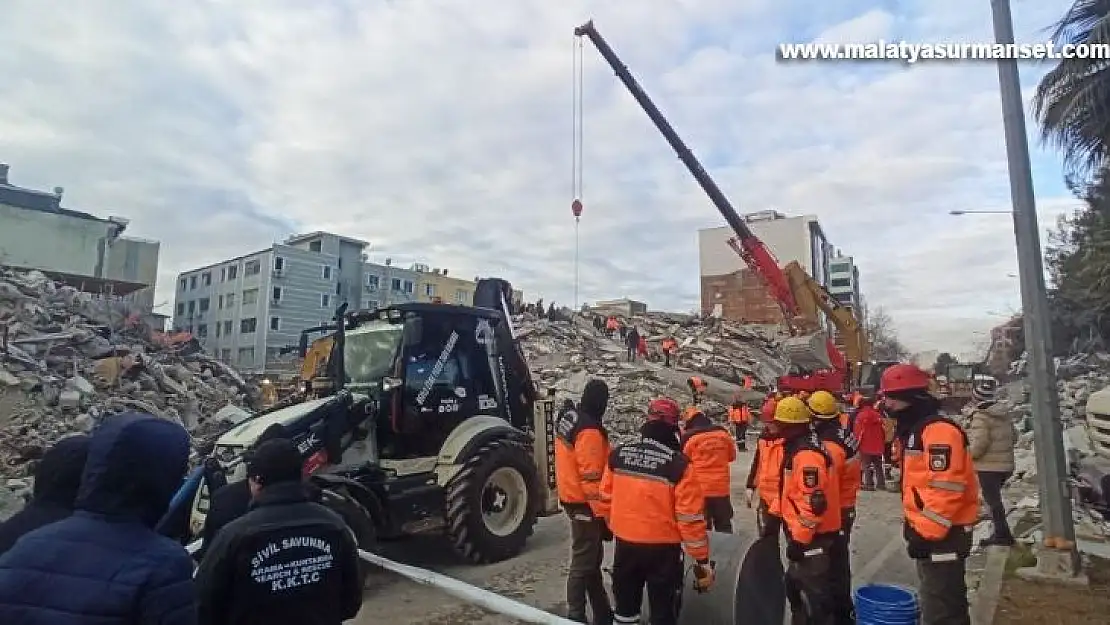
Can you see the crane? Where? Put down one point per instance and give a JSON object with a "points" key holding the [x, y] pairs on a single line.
{"points": [[825, 370]]}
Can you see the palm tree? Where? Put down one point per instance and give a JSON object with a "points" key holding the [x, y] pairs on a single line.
{"points": [[1072, 102]]}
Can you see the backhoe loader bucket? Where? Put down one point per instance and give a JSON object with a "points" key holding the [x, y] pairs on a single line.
{"points": [[749, 589], [809, 352]]}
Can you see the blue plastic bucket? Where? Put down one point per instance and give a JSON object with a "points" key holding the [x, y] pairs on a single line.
{"points": [[883, 604]]}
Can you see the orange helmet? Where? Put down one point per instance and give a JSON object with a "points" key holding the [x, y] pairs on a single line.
{"points": [[690, 413], [902, 378], [664, 409]]}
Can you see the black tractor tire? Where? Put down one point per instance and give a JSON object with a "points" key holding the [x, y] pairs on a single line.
{"points": [[339, 500], [471, 493]]}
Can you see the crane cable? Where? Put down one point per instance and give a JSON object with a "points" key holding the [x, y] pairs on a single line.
{"points": [[576, 124]]}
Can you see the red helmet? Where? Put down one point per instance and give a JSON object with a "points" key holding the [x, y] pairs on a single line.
{"points": [[904, 377], [664, 409]]}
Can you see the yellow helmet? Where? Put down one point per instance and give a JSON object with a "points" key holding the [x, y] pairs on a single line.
{"points": [[792, 410], [823, 404]]}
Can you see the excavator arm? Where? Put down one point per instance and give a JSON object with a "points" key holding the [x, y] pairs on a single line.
{"points": [[813, 298]]}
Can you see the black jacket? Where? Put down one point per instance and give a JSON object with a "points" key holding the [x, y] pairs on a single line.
{"points": [[287, 561], [228, 503], [57, 478]]}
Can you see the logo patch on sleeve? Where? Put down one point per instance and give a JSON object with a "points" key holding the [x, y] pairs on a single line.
{"points": [[940, 457], [810, 477]]}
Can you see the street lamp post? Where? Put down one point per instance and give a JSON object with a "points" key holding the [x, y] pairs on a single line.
{"points": [[1059, 558]]}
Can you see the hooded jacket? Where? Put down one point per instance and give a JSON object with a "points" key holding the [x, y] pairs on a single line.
{"points": [[57, 478], [581, 451], [105, 565], [992, 436]]}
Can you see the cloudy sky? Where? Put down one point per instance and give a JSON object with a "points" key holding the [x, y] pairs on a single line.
{"points": [[440, 131]]}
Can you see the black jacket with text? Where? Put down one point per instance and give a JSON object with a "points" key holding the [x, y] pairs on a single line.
{"points": [[287, 561]]}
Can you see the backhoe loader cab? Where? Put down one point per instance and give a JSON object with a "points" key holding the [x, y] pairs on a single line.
{"points": [[431, 423]]}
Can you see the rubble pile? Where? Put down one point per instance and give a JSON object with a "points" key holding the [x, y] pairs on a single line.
{"points": [[68, 359], [564, 355]]}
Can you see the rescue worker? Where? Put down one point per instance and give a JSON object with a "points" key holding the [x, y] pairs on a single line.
{"points": [[842, 448], [869, 432], [642, 347], [712, 450], [940, 495], [632, 343], [289, 560], [765, 474], [697, 387], [795, 472], [767, 410], [654, 505], [669, 346], [581, 451], [739, 415]]}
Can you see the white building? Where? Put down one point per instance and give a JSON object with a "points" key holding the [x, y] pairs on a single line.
{"points": [[844, 281]]}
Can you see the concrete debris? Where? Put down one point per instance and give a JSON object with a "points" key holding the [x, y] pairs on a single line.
{"points": [[68, 359], [563, 355]]}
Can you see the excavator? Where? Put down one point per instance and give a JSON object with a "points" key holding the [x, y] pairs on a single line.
{"points": [[816, 363]]}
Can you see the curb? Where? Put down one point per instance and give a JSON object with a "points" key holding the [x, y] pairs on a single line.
{"points": [[984, 603]]}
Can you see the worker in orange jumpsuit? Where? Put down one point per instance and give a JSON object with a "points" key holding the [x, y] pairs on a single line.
{"points": [[654, 505], [767, 410], [798, 490], [940, 495], [697, 387], [581, 453], [670, 346], [711, 449], [740, 416], [841, 445]]}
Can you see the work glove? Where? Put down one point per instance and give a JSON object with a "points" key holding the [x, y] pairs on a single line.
{"points": [[606, 533], [749, 497], [916, 546], [704, 576]]}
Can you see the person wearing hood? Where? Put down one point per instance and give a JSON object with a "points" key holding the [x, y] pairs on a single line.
{"points": [[940, 495], [57, 478], [993, 437], [654, 504], [632, 342], [105, 563], [712, 450], [581, 451]]}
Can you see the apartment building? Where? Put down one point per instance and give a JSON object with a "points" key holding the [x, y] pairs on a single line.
{"points": [[844, 281], [82, 250], [730, 290], [245, 309], [386, 284]]}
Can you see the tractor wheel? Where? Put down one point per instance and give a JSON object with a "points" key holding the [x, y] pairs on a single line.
{"points": [[340, 501], [492, 503]]}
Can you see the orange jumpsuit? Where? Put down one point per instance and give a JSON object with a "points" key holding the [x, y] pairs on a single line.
{"points": [[711, 450], [581, 451], [811, 517]]}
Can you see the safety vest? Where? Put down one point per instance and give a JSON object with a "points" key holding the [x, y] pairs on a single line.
{"points": [[739, 414], [843, 448], [940, 489], [711, 449], [581, 452], [810, 498]]}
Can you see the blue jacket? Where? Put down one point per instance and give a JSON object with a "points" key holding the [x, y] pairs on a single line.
{"points": [[105, 565]]}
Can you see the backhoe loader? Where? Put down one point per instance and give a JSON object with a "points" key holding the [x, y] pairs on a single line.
{"points": [[420, 418]]}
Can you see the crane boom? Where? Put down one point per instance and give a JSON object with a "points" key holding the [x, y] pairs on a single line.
{"points": [[753, 251]]}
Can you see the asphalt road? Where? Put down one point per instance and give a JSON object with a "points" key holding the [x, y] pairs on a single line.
{"points": [[537, 576]]}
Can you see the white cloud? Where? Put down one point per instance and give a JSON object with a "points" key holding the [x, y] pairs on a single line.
{"points": [[873, 25], [440, 131]]}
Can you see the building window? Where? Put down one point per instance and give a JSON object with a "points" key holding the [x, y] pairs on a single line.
{"points": [[840, 267], [276, 295], [223, 274], [460, 296], [395, 284], [372, 304], [230, 300], [279, 264], [408, 287], [232, 272], [372, 282], [430, 290], [326, 272], [181, 308], [246, 356], [202, 330], [227, 328], [248, 325], [204, 304], [338, 288], [184, 283], [192, 283], [315, 246], [325, 300], [220, 302], [218, 327], [250, 297], [192, 307], [225, 355], [252, 267], [840, 282], [206, 278], [275, 323]]}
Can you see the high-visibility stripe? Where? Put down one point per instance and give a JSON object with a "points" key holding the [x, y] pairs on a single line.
{"points": [[955, 487], [592, 476], [694, 544], [810, 523], [689, 518], [632, 620], [936, 518]]}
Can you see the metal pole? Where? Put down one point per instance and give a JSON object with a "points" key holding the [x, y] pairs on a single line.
{"points": [[576, 221], [1060, 557]]}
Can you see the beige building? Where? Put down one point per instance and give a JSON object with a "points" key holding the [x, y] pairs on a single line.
{"points": [[434, 284]]}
